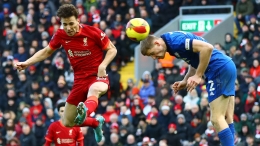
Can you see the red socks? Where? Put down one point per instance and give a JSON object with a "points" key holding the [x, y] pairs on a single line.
{"points": [[91, 122], [91, 103]]}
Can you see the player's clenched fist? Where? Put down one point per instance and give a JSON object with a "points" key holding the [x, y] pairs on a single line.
{"points": [[102, 71], [192, 83], [21, 65], [177, 86]]}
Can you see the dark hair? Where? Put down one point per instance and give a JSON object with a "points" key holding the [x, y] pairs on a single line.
{"points": [[62, 104], [10, 128], [67, 10], [124, 117]]}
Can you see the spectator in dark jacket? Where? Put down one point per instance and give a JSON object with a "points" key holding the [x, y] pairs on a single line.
{"points": [[27, 138], [172, 136], [114, 80], [165, 117], [39, 130], [154, 130]]}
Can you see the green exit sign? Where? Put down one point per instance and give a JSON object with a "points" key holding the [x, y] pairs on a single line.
{"points": [[196, 25]]}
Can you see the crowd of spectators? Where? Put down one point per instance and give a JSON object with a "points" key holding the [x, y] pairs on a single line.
{"points": [[149, 114]]}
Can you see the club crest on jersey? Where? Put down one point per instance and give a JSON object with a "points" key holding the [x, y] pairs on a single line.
{"points": [[187, 44], [70, 132], [85, 41]]}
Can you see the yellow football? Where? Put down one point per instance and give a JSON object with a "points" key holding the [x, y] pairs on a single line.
{"points": [[137, 29]]}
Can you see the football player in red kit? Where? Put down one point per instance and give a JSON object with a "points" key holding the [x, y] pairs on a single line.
{"points": [[84, 46], [61, 135]]}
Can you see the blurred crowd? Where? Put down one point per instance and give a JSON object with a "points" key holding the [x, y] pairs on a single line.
{"points": [[145, 113]]}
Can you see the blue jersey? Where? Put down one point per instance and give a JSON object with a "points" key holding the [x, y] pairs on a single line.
{"points": [[179, 44]]}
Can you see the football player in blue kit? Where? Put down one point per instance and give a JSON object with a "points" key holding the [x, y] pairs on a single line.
{"points": [[204, 60]]}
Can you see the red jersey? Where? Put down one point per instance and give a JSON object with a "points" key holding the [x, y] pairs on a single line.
{"points": [[84, 49], [63, 136]]}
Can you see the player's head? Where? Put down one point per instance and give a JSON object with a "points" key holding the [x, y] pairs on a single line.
{"points": [[68, 15], [154, 47], [61, 108]]}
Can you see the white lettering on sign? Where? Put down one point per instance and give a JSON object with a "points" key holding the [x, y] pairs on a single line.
{"points": [[189, 26]]}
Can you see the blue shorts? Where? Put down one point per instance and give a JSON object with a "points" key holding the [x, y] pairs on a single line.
{"points": [[222, 81]]}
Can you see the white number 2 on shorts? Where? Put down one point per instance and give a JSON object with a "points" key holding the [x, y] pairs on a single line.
{"points": [[211, 87]]}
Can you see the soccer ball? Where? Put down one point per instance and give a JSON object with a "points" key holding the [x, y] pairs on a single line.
{"points": [[137, 29]]}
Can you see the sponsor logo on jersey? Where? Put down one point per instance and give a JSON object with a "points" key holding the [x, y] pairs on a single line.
{"points": [[211, 94], [78, 53], [61, 141], [67, 140]]}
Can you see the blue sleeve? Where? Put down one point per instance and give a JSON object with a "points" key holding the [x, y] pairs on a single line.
{"points": [[182, 44]]}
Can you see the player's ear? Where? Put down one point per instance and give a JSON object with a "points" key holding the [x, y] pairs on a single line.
{"points": [[156, 43]]}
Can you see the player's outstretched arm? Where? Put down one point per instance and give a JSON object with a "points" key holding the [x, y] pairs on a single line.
{"points": [[40, 55], [37, 57], [49, 136], [110, 55], [205, 50]]}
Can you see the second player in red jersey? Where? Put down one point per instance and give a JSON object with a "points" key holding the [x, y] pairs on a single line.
{"points": [[61, 135], [84, 46]]}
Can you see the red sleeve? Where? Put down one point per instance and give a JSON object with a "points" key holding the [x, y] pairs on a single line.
{"points": [[47, 143], [55, 41], [49, 134], [102, 38], [81, 143], [80, 136]]}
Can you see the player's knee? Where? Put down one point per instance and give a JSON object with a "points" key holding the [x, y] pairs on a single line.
{"points": [[97, 90], [229, 118], [216, 119]]}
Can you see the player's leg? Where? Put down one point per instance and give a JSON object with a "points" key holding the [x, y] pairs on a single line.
{"points": [[221, 89], [76, 95], [218, 109], [230, 91], [230, 115], [70, 113], [95, 91], [85, 109]]}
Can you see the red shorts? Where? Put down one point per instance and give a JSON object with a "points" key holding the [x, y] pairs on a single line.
{"points": [[80, 89]]}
